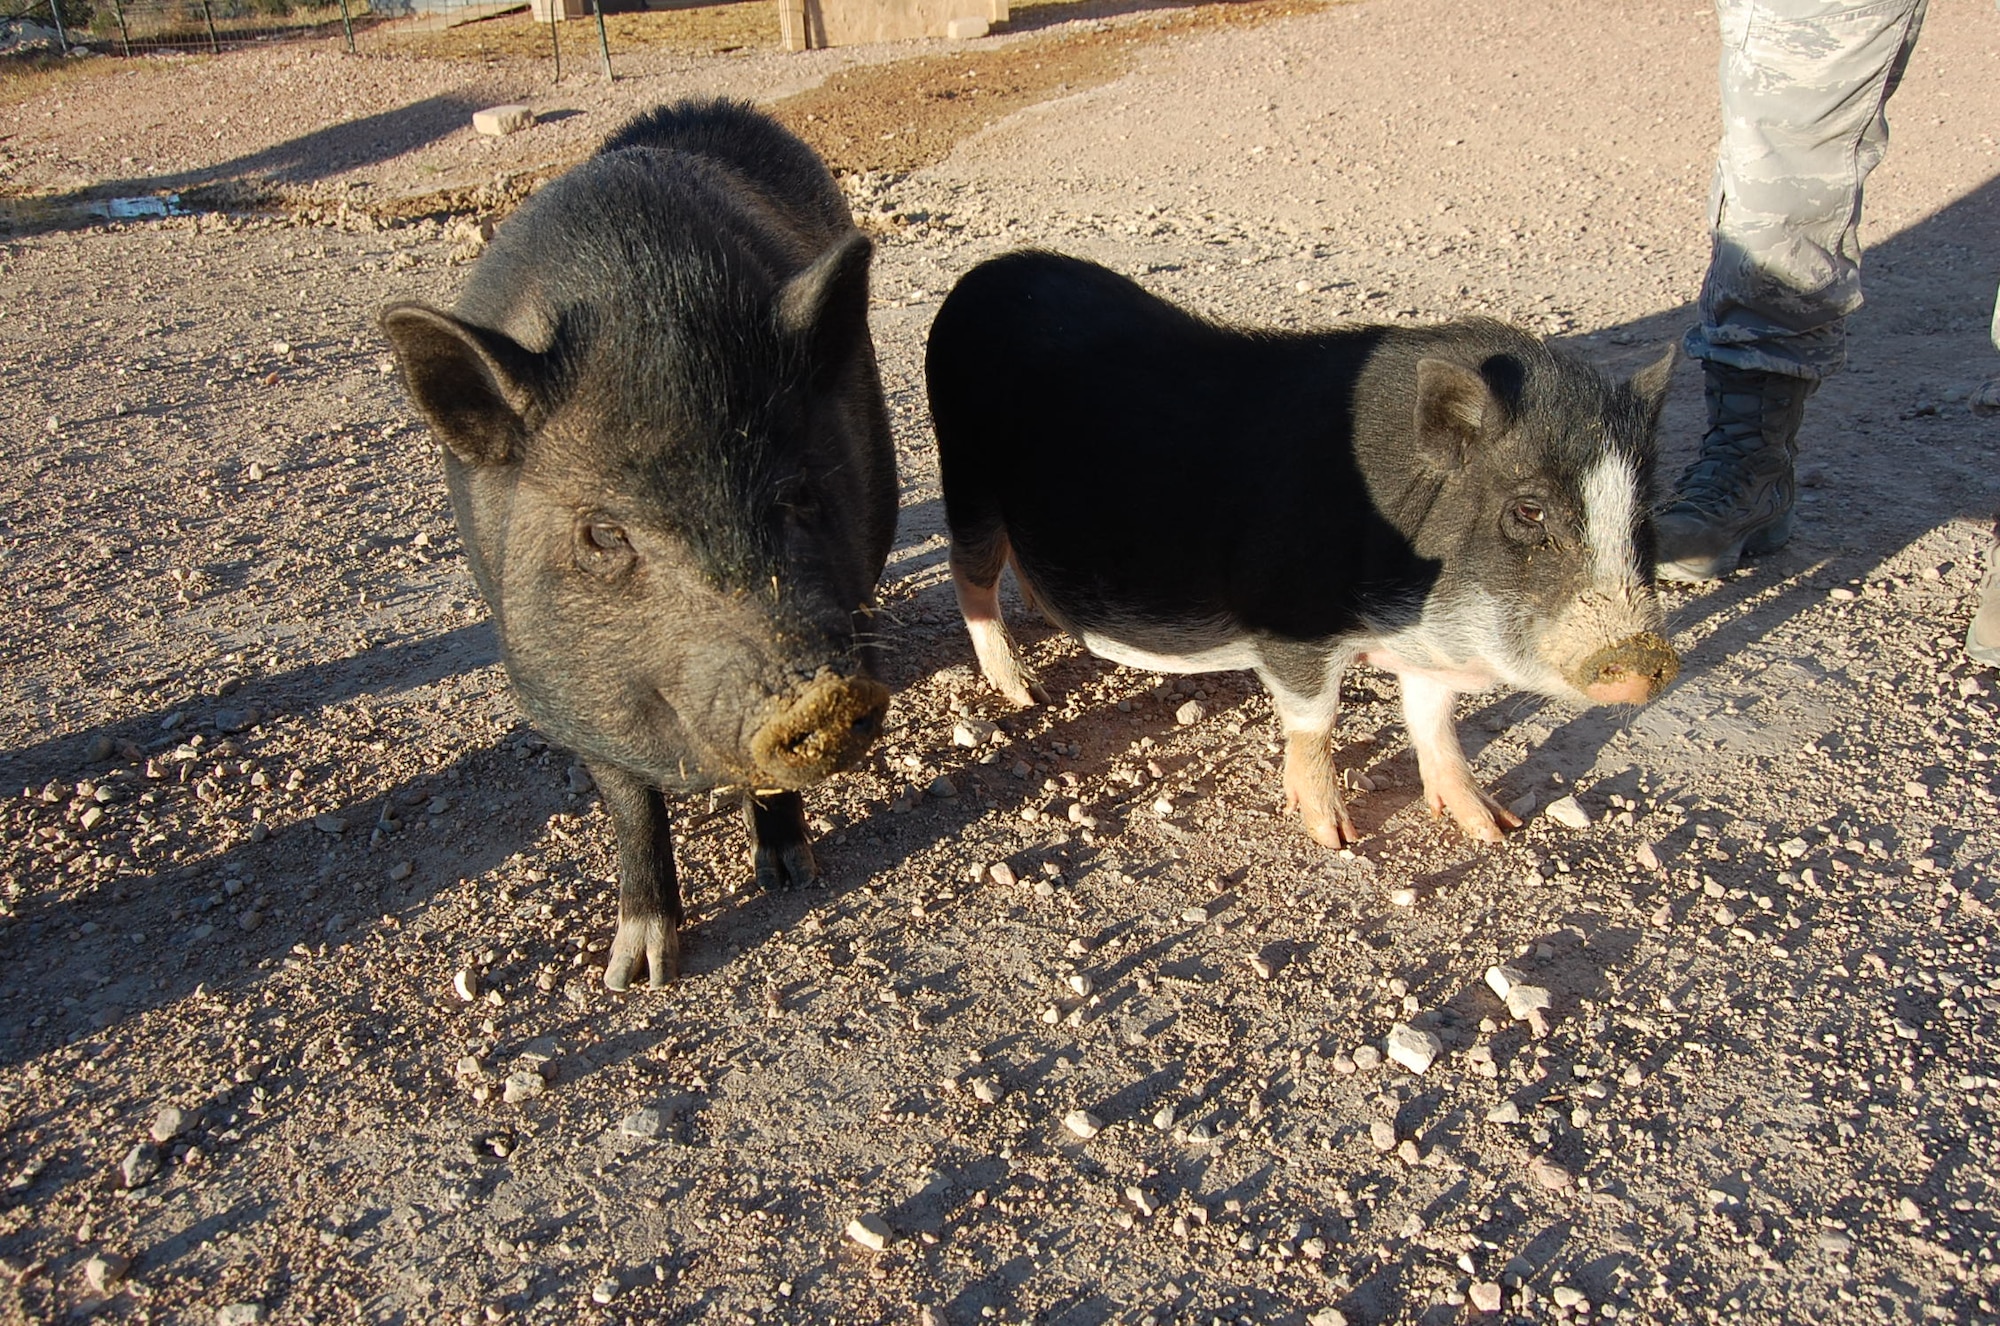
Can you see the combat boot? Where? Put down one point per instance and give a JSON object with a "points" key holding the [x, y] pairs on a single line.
{"points": [[1735, 501]]}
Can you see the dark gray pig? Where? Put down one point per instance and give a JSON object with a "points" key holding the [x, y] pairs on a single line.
{"points": [[1460, 505], [666, 446]]}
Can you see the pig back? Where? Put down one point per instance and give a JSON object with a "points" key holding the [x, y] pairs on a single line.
{"points": [[1154, 469]]}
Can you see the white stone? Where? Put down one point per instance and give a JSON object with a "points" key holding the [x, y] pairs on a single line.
{"points": [[499, 121], [1503, 979], [169, 1123], [870, 1231], [1485, 1296], [466, 984], [646, 1121], [1524, 1000], [1083, 1123], [239, 1314], [1567, 812], [1190, 713], [1414, 1049], [1326, 1317]]}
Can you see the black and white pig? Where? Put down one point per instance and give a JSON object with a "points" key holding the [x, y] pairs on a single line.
{"points": [[1460, 505], [667, 451]]}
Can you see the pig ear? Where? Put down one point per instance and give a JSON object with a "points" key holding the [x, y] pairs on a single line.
{"points": [[826, 306], [1455, 407], [470, 383], [1649, 384]]}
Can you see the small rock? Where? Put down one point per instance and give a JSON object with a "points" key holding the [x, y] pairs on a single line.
{"points": [[578, 780], [986, 1091], [332, 824], [499, 121], [1505, 1112], [1326, 1317], [1503, 979], [1080, 984], [1261, 967], [105, 1270], [604, 1291], [1523, 806], [239, 1314], [140, 1165], [1195, 915], [466, 983], [237, 720], [522, 1085], [971, 733], [1908, 1211], [1567, 1296], [870, 1231], [1835, 1242], [942, 788], [1524, 1001], [1001, 874], [1144, 1201], [1190, 713], [1163, 807], [1403, 897], [401, 871], [1367, 1057], [1648, 856], [170, 1122], [1484, 1295], [1550, 1175], [1201, 1134], [1083, 1123], [646, 1121], [1414, 1049], [1567, 812], [1383, 1134], [1163, 1118]]}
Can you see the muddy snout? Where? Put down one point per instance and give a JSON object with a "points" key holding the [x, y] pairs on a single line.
{"points": [[821, 730], [1632, 671]]}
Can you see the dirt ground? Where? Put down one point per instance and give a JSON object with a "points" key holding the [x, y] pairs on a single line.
{"points": [[269, 805]]}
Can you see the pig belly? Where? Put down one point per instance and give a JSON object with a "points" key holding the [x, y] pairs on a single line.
{"points": [[1233, 656]]}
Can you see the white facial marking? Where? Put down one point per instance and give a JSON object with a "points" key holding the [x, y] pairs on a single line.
{"points": [[1610, 494]]}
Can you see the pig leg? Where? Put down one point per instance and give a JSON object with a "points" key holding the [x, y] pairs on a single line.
{"points": [[979, 604], [1448, 782], [649, 896], [1312, 784], [780, 845]]}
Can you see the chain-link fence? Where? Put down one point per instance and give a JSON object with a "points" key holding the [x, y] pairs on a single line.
{"points": [[141, 27]]}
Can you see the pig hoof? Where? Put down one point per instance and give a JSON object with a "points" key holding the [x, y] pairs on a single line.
{"points": [[1481, 817], [651, 942], [789, 866]]}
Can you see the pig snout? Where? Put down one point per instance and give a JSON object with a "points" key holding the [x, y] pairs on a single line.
{"points": [[819, 731], [1632, 671]]}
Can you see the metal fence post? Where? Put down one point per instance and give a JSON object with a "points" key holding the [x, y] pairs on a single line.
{"points": [[603, 42], [214, 42], [62, 33], [347, 22], [124, 34], [555, 42]]}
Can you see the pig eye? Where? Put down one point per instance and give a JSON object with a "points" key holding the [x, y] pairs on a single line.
{"points": [[602, 549], [1526, 521]]}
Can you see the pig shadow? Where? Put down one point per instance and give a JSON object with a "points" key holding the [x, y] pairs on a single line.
{"points": [[313, 156]]}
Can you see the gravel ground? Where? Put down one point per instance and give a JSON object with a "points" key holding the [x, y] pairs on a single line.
{"points": [[1080, 1026]]}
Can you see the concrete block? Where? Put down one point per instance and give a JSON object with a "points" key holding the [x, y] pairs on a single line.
{"points": [[498, 121]]}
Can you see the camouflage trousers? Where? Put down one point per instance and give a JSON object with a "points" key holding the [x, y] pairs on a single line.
{"points": [[1805, 84]]}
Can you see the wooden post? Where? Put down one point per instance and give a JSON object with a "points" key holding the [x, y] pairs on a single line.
{"points": [[792, 25], [603, 42]]}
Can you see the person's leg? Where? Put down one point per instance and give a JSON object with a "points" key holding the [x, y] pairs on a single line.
{"points": [[1804, 87]]}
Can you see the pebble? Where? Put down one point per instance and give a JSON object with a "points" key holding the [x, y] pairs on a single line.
{"points": [[646, 1121], [971, 733], [1502, 979], [870, 1231], [1403, 897], [1523, 806], [604, 1292], [1195, 915], [1201, 1134], [1835, 1242], [1163, 1118], [1083, 1123], [1190, 713], [1145, 1202], [1326, 1317], [1163, 807], [1414, 1049], [1383, 1134], [1524, 1001], [332, 824], [141, 1163], [1648, 856], [1001, 874], [1484, 1295], [1505, 1112], [1567, 1296], [986, 1090], [942, 788], [170, 1122], [401, 871], [1367, 1057], [578, 780], [1261, 967], [1550, 1175], [466, 983], [522, 1085], [105, 1270], [1567, 812], [239, 1314]]}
